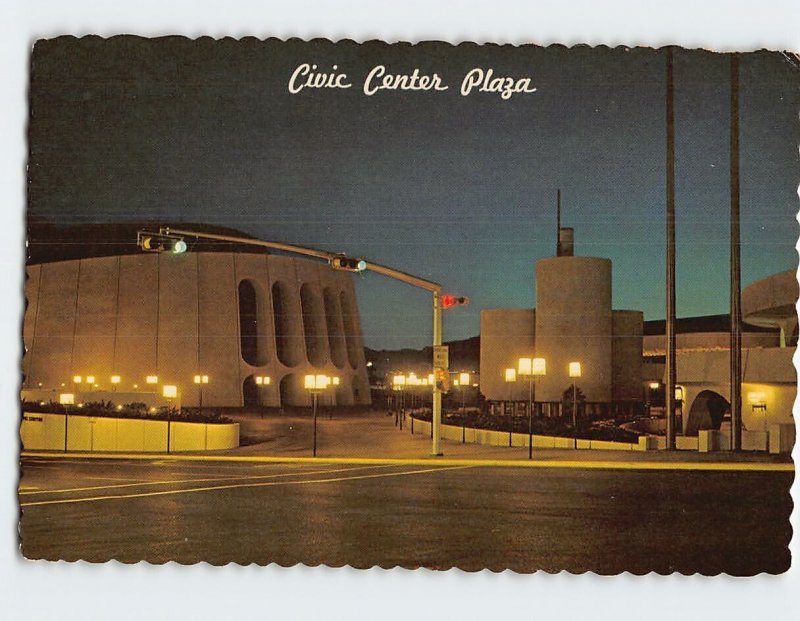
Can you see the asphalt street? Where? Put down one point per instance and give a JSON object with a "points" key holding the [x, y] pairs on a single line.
{"points": [[437, 514]]}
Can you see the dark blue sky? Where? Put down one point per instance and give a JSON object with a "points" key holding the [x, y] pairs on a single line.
{"points": [[460, 190]]}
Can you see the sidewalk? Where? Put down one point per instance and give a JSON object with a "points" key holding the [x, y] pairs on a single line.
{"points": [[374, 435]]}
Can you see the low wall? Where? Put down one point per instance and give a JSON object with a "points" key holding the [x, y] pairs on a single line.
{"points": [[89, 433], [501, 438], [716, 440]]}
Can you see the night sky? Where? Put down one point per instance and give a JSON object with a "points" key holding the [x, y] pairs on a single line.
{"points": [[457, 189]]}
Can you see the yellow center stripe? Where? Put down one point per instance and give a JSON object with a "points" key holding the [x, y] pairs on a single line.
{"points": [[722, 466]]}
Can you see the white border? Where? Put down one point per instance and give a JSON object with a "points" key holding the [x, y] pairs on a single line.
{"points": [[47, 590]]}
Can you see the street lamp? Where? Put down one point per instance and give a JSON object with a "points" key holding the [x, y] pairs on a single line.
{"points": [[511, 378], [463, 380], [201, 380], [531, 367], [66, 399], [398, 384], [574, 373], [169, 392], [315, 384]]}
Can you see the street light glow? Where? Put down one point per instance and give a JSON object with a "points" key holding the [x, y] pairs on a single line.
{"points": [[66, 398], [170, 392], [574, 369], [511, 375], [115, 379], [77, 379]]}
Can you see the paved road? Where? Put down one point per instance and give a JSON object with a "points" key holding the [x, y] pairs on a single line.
{"points": [[407, 514]]}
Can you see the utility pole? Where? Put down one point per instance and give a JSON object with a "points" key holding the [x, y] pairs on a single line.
{"points": [[670, 371], [736, 279]]}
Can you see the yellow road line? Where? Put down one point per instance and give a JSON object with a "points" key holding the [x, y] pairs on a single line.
{"points": [[729, 466], [193, 480], [192, 490]]}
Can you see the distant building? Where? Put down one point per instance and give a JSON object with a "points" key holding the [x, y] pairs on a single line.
{"points": [[622, 357], [234, 314], [573, 322]]}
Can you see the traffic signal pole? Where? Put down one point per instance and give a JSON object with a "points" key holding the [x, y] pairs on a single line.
{"points": [[410, 279], [436, 404]]}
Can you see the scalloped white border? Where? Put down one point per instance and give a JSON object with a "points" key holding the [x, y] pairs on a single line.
{"points": [[46, 590]]}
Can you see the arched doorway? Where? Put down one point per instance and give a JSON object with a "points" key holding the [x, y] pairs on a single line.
{"points": [[250, 393], [707, 412]]}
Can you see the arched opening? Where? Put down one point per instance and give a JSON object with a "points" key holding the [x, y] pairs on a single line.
{"points": [[288, 389], [251, 324], [350, 330], [250, 392], [333, 321], [707, 412], [287, 333], [313, 327]]}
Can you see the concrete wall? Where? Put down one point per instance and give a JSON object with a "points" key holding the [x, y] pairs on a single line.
{"points": [[501, 438], [507, 334], [574, 323], [97, 434], [176, 316], [720, 440]]}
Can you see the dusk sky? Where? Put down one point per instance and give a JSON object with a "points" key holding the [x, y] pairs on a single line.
{"points": [[457, 189]]}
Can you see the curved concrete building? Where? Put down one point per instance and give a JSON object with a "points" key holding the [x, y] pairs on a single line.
{"points": [[236, 317]]}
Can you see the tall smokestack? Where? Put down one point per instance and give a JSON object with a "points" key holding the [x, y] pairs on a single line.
{"points": [[558, 223]]}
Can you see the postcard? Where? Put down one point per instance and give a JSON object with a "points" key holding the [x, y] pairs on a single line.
{"points": [[410, 305]]}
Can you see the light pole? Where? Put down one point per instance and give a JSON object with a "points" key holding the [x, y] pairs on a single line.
{"points": [[574, 373], [66, 399], [315, 384], [463, 380], [262, 381], [399, 383], [511, 378], [169, 392], [115, 379], [200, 381], [651, 394], [531, 367]]}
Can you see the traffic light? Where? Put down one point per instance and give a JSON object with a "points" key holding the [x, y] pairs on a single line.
{"points": [[448, 300], [348, 264], [152, 242]]}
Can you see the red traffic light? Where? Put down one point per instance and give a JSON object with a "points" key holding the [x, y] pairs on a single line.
{"points": [[448, 300]]}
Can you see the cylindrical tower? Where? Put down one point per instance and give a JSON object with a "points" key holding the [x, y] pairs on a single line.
{"points": [[507, 334], [574, 324]]}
